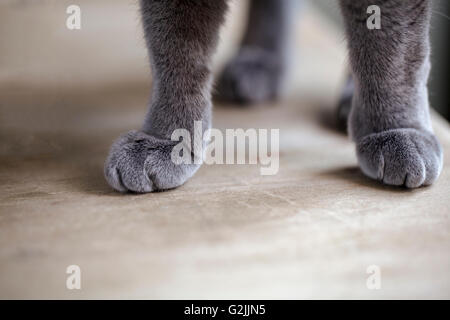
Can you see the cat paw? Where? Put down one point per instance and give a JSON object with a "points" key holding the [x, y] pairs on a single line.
{"points": [[252, 76], [401, 157], [141, 163]]}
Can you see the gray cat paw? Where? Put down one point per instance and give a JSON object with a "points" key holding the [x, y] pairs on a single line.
{"points": [[141, 163], [401, 157], [252, 76]]}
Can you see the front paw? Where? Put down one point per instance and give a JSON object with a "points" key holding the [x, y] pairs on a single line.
{"points": [[141, 163], [252, 76], [407, 157]]}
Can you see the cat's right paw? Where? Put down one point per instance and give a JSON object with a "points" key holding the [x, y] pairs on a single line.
{"points": [[401, 157], [253, 76]]}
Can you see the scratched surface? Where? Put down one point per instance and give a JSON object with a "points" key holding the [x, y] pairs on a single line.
{"points": [[311, 231]]}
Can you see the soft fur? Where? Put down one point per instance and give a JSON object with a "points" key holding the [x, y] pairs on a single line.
{"points": [[389, 118]]}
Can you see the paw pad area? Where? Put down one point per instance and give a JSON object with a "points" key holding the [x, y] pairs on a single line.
{"points": [[401, 157]]}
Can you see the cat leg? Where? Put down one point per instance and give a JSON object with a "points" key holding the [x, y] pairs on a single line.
{"points": [[390, 120], [181, 36], [345, 104], [255, 73]]}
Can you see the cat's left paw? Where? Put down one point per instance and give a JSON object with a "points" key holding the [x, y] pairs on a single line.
{"points": [[141, 163], [401, 157]]}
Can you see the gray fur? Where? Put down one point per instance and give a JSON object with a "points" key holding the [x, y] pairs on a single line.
{"points": [[255, 73], [389, 118]]}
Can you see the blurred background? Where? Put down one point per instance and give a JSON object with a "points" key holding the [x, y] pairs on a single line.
{"points": [[37, 50]]}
